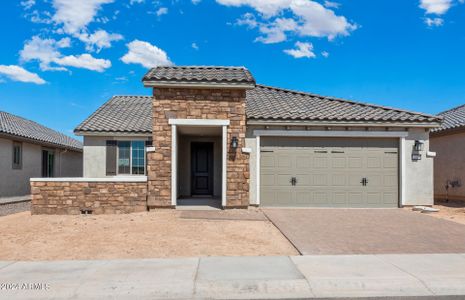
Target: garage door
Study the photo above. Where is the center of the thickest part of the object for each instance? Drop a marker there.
(329, 172)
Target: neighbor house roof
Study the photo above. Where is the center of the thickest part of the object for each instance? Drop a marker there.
(121, 114)
(453, 119)
(15, 126)
(133, 114)
(270, 103)
(199, 75)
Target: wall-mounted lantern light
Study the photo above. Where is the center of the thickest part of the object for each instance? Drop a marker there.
(419, 145)
(234, 142)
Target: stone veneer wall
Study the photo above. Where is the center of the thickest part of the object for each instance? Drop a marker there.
(184, 103)
(69, 197)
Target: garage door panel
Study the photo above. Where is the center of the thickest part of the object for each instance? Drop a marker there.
(267, 180)
(267, 160)
(374, 162)
(355, 162)
(320, 162)
(339, 162)
(330, 175)
(320, 179)
(339, 198)
(339, 179)
(355, 198)
(284, 161)
(283, 179)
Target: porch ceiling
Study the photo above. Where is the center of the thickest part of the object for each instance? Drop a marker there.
(200, 130)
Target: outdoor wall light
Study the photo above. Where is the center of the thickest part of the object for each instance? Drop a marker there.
(419, 145)
(234, 142)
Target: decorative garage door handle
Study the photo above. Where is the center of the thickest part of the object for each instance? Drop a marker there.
(294, 181)
(364, 181)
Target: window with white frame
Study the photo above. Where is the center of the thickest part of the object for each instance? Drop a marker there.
(131, 157)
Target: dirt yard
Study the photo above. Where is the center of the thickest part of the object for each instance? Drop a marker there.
(163, 233)
(453, 210)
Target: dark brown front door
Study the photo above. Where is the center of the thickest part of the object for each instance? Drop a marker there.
(202, 168)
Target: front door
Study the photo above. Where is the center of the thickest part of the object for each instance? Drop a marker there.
(202, 168)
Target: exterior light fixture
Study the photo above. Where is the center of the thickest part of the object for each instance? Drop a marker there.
(234, 142)
(419, 145)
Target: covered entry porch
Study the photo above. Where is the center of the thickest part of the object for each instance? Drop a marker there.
(199, 159)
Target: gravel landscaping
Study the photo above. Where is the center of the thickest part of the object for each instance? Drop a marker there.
(12, 208)
(161, 233)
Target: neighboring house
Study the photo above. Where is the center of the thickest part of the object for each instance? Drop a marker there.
(448, 142)
(28, 149)
(212, 132)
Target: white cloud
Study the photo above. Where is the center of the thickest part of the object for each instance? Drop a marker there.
(302, 50)
(276, 32)
(195, 2)
(434, 22)
(330, 4)
(437, 7)
(27, 4)
(132, 2)
(325, 54)
(309, 19)
(145, 54)
(161, 11)
(17, 73)
(75, 15)
(46, 52)
(195, 46)
(84, 61)
(99, 39)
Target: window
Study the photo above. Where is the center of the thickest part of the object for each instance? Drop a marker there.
(17, 155)
(131, 157)
(48, 162)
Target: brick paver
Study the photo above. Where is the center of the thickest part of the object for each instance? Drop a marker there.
(367, 231)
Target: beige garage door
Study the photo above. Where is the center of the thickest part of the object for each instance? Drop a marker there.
(329, 172)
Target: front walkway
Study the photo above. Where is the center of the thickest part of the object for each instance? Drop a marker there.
(237, 277)
(367, 231)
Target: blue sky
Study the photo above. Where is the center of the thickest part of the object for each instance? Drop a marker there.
(61, 59)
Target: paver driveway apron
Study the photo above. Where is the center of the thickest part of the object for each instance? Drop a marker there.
(367, 231)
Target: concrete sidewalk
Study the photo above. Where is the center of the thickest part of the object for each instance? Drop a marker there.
(237, 277)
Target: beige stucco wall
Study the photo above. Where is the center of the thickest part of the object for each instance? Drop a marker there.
(449, 165)
(15, 182)
(184, 163)
(417, 179)
(94, 159)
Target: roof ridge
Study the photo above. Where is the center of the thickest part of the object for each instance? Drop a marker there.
(349, 101)
(452, 109)
(202, 67)
(139, 96)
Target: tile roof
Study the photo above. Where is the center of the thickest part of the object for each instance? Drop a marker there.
(200, 75)
(27, 129)
(121, 114)
(133, 114)
(269, 103)
(453, 119)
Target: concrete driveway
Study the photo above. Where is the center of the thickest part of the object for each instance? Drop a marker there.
(367, 231)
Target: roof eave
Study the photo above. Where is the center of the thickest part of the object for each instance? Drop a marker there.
(38, 142)
(283, 122)
(112, 133)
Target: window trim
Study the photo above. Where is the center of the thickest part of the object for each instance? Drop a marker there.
(17, 166)
(130, 158)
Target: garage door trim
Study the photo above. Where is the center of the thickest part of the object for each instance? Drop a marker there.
(360, 134)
